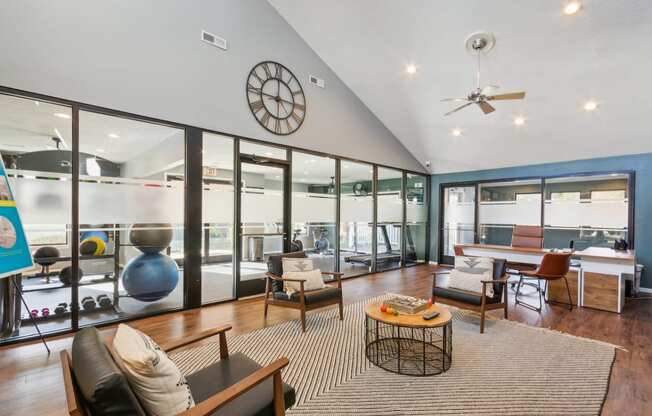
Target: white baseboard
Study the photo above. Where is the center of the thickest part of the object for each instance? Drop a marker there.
(435, 264)
(645, 289)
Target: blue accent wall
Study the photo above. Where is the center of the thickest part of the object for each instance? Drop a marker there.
(641, 164)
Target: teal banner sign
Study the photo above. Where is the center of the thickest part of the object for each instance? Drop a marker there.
(15, 256)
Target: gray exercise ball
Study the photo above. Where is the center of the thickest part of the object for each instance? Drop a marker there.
(151, 238)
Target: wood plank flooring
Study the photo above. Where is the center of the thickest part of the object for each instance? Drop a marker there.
(30, 381)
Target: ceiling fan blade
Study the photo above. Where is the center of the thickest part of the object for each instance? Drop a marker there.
(454, 99)
(486, 107)
(508, 96)
(457, 109)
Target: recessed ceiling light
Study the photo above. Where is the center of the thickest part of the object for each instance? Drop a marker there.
(37, 103)
(590, 105)
(99, 150)
(411, 69)
(62, 115)
(269, 154)
(456, 132)
(114, 136)
(519, 121)
(572, 7)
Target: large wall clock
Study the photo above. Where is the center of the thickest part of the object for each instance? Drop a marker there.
(276, 98)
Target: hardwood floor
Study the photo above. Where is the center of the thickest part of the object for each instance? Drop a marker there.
(30, 381)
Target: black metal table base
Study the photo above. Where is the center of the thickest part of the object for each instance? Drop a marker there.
(409, 351)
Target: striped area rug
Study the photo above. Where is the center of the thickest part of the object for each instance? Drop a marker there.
(511, 369)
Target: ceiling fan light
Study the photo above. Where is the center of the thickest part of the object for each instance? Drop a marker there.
(519, 121)
(590, 105)
(456, 132)
(572, 7)
(411, 69)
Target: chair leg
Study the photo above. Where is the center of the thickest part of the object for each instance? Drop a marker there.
(570, 299)
(266, 307)
(303, 319)
(527, 305)
(505, 300)
(539, 286)
(341, 310)
(482, 320)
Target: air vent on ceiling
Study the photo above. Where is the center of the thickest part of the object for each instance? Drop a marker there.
(316, 81)
(213, 39)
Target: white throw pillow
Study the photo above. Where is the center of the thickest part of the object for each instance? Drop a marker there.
(469, 272)
(297, 264)
(313, 281)
(156, 380)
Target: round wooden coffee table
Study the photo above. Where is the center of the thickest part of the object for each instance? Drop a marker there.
(408, 344)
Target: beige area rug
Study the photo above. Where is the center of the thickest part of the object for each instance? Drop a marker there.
(511, 369)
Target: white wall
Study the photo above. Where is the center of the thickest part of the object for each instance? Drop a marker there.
(146, 57)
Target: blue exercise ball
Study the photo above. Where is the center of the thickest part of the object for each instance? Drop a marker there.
(150, 277)
(102, 235)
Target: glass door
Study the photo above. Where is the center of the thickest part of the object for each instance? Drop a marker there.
(263, 220)
(458, 220)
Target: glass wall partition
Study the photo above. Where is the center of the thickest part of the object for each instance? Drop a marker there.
(588, 210)
(36, 148)
(356, 218)
(390, 218)
(505, 204)
(416, 219)
(131, 223)
(217, 271)
(458, 225)
(314, 202)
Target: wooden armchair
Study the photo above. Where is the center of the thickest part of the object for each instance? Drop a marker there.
(302, 300)
(470, 300)
(233, 385)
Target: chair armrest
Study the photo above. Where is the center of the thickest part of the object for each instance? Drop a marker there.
(182, 342)
(283, 279)
(501, 281)
(338, 277)
(74, 407)
(273, 276)
(227, 395)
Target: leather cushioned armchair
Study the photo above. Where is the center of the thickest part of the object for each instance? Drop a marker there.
(234, 385)
(479, 302)
(302, 300)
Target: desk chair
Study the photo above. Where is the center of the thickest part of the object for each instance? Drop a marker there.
(525, 236)
(554, 266)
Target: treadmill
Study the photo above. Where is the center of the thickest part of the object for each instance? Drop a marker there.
(389, 256)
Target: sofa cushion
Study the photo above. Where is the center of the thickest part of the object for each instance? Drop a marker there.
(224, 373)
(103, 386)
(275, 267)
(312, 297)
(156, 380)
(469, 272)
(461, 296)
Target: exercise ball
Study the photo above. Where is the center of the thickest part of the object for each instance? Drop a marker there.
(102, 235)
(151, 238)
(92, 246)
(44, 256)
(66, 275)
(150, 277)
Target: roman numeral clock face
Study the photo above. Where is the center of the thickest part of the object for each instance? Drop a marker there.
(276, 98)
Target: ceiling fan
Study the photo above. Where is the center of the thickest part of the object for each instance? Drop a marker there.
(477, 43)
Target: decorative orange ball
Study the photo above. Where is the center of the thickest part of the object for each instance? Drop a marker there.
(383, 308)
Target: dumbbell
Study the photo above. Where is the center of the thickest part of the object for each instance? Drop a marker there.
(61, 308)
(104, 301)
(88, 303)
(45, 312)
(34, 313)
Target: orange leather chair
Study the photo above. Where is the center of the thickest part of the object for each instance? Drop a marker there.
(554, 266)
(528, 236)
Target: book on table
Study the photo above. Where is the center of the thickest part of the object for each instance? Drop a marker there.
(406, 304)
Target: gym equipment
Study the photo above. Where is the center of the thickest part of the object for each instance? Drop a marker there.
(322, 243)
(102, 235)
(150, 277)
(45, 312)
(46, 257)
(151, 238)
(88, 303)
(103, 300)
(390, 255)
(61, 308)
(66, 275)
(296, 244)
(92, 246)
(34, 313)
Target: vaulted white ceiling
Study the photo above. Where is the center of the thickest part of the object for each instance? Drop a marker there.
(602, 53)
